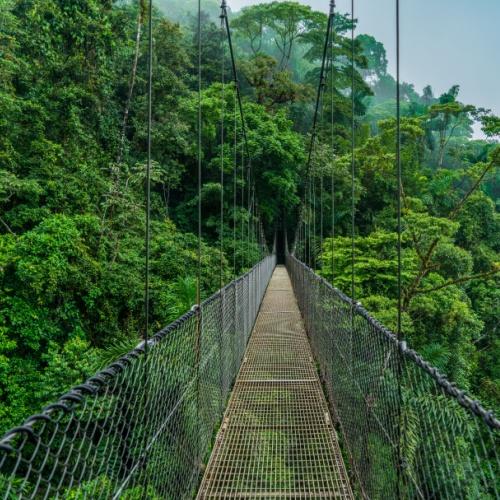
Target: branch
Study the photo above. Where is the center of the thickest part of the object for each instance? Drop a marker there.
(425, 267)
(7, 226)
(140, 17)
(450, 135)
(413, 235)
(461, 203)
(457, 281)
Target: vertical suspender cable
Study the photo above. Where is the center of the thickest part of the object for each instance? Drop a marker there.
(308, 226)
(243, 126)
(249, 220)
(353, 204)
(398, 167)
(198, 285)
(254, 215)
(320, 252)
(304, 217)
(332, 146)
(223, 103)
(308, 186)
(198, 274)
(148, 225)
(148, 176)
(304, 227)
(321, 219)
(243, 263)
(353, 143)
(249, 202)
(242, 192)
(399, 193)
(314, 222)
(235, 172)
(221, 235)
(320, 85)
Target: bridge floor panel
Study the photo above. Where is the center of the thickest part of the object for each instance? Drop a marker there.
(277, 438)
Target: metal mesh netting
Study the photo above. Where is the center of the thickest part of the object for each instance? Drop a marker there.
(142, 427)
(407, 430)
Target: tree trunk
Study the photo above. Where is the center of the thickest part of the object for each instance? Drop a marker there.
(133, 75)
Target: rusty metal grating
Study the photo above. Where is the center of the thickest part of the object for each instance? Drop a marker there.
(277, 438)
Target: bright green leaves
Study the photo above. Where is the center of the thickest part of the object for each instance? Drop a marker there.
(45, 272)
(283, 24)
(375, 264)
(271, 85)
(277, 157)
(444, 317)
(449, 118)
(66, 366)
(491, 126)
(376, 57)
(436, 311)
(51, 256)
(276, 150)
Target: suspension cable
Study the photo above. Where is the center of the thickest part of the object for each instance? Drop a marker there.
(332, 147)
(353, 204)
(328, 69)
(198, 281)
(398, 166)
(223, 103)
(320, 84)
(250, 178)
(243, 263)
(148, 224)
(399, 193)
(353, 144)
(199, 318)
(319, 91)
(321, 219)
(148, 177)
(320, 253)
(249, 202)
(313, 184)
(235, 173)
(309, 218)
(235, 73)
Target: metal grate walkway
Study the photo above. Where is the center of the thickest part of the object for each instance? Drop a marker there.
(277, 438)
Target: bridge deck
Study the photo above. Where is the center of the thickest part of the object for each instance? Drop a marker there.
(277, 439)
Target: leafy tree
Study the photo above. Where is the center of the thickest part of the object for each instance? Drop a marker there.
(375, 54)
(271, 86)
(285, 23)
(491, 126)
(447, 118)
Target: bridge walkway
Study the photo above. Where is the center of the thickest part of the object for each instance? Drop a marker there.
(277, 438)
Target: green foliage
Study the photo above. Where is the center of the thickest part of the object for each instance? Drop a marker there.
(491, 125)
(282, 24)
(103, 486)
(374, 51)
(72, 171)
(272, 86)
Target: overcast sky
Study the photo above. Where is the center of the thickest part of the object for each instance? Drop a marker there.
(443, 42)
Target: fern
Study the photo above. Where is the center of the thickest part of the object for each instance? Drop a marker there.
(115, 350)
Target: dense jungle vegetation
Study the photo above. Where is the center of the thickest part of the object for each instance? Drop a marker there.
(72, 167)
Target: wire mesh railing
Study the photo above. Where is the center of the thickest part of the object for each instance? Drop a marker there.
(407, 431)
(143, 427)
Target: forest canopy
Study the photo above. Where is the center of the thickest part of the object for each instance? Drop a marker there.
(73, 130)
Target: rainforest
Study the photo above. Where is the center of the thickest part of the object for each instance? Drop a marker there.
(73, 150)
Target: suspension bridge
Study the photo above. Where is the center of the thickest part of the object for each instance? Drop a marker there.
(277, 386)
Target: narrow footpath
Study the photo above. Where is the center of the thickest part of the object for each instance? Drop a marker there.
(277, 438)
